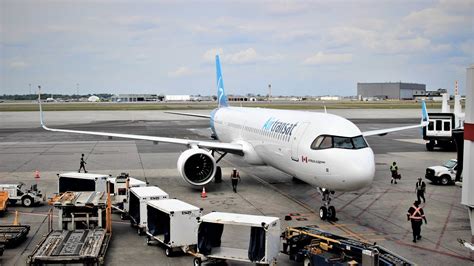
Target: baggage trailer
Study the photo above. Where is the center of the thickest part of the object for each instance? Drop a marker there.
(84, 246)
(81, 210)
(137, 212)
(12, 235)
(81, 182)
(313, 246)
(174, 224)
(262, 238)
(119, 187)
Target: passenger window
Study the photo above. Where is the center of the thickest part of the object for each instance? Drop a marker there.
(439, 125)
(430, 125)
(344, 143)
(447, 126)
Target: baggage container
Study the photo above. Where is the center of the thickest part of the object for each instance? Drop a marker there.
(137, 204)
(172, 223)
(252, 238)
(73, 181)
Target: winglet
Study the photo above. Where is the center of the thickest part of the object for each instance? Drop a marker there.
(221, 97)
(424, 114)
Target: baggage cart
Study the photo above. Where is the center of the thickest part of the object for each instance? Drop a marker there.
(119, 187)
(312, 246)
(259, 238)
(12, 235)
(137, 210)
(174, 224)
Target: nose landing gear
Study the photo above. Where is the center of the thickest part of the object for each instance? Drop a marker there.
(327, 212)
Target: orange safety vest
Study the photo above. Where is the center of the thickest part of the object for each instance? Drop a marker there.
(417, 211)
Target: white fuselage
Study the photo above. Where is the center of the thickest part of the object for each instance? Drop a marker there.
(283, 139)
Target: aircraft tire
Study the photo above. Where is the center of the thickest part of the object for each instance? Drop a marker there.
(331, 213)
(323, 213)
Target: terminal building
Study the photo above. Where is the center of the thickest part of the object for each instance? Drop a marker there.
(390, 90)
(136, 98)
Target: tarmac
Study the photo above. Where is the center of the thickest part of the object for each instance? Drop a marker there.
(373, 214)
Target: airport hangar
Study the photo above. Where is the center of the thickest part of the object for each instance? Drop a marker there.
(390, 90)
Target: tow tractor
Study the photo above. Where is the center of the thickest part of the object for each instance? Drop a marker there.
(312, 246)
(27, 197)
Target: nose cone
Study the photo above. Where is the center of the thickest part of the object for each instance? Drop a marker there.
(358, 170)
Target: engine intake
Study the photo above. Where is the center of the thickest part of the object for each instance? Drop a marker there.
(197, 166)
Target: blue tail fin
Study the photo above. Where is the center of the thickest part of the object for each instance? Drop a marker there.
(424, 112)
(221, 97)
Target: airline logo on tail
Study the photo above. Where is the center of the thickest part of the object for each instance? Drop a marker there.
(221, 97)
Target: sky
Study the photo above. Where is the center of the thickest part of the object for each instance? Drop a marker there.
(168, 47)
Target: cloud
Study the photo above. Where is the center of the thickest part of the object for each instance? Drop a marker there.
(18, 64)
(445, 18)
(210, 55)
(181, 72)
(321, 58)
(242, 57)
(247, 56)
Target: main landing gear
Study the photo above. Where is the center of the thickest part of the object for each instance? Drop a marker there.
(327, 212)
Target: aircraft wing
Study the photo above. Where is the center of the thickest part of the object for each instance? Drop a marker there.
(381, 132)
(188, 114)
(226, 147)
(385, 131)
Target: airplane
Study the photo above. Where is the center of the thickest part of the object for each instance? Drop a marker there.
(324, 150)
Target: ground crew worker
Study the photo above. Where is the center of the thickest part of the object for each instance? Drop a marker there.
(394, 171)
(415, 215)
(82, 164)
(420, 189)
(235, 178)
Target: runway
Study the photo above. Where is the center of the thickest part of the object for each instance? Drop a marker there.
(374, 214)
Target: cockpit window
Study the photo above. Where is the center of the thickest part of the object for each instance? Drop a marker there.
(343, 143)
(359, 142)
(326, 142)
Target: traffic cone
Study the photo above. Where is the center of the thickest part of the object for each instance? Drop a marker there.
(37, 174)
(16, 220)
(203, 193)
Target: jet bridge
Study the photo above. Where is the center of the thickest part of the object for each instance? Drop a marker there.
(468, 177)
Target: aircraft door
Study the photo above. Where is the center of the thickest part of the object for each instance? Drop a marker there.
(296, 139)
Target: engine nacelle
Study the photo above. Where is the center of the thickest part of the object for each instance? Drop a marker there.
(197, 166)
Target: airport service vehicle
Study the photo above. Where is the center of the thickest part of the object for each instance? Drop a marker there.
(28, 197)
(439, 131)
(312, 246)
(3, 202)
(309, 146)
(137, 210)
(261, 235)
(172, 223)
(443, 174)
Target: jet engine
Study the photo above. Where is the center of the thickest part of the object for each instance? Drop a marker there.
(197, 166)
